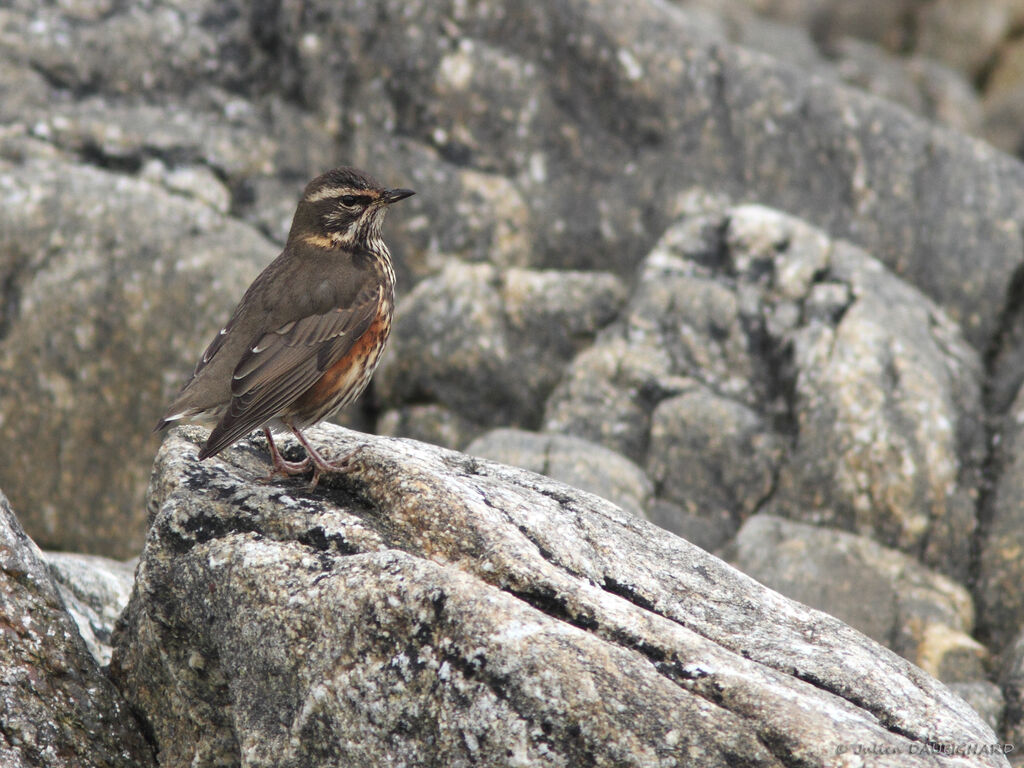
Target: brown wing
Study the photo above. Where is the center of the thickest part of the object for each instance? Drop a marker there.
(284, 363)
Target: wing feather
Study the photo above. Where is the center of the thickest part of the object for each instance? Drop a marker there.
(282, 364)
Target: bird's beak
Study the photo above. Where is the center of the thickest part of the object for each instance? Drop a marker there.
(394, 195)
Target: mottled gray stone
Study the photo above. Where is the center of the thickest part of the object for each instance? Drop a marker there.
(606, 396)
(787, 370)
(1004, 85)
(112, 287)
(570, 460)
(1001, 566)
(159, 47)
(770, 366)
(925, 85)
(920, 614)
(885, 401)
(435, 608)
(954, 62)
(964, 35)
(57, 710)
(707, 532)
(559, 136)
(601, 112)
(1010, 676)
(125, 136)
(492, 344)
(430, 423)
(696, 318)
(24, 91)
(918, 83)
(985, 698)
(95, 591)
(593, 135)
(711, 455)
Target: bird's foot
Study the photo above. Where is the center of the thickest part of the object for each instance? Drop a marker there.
(281, 466)
(322, 466)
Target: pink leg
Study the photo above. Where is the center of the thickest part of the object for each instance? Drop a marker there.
(281, 465)
(320, 464)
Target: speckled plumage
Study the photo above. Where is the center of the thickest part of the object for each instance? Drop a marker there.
(307, 335)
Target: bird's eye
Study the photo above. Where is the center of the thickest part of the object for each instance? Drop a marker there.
(348, 201)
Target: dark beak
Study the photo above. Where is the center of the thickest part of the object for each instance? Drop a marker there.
(394, 195)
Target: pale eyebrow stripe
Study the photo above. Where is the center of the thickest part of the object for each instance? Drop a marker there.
(326, 192)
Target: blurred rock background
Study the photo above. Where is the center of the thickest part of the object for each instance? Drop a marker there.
(748, 269)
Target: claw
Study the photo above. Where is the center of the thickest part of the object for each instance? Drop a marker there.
(341, 466)
(281, 465)
(313, 459)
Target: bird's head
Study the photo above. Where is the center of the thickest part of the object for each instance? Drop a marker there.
(343, 207)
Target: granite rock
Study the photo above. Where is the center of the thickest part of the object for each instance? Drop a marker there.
(1010, 677)
(546, 139)
(95, 591)
(712, 455)
(107, 305)
(761, 365)
(491, 344)
(924, 616)
(985, 698)
(1000, 604)
(434, 607)
(886, 405)
(430, 423)
(57, 709)
(570, 460)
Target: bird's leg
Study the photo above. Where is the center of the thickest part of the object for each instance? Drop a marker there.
(342, 466)
(281, 465)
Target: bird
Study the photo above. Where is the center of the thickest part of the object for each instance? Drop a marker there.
(307, 335)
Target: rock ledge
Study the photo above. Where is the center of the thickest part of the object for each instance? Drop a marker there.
(435, 608)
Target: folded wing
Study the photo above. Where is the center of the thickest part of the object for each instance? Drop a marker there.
(282, 364)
